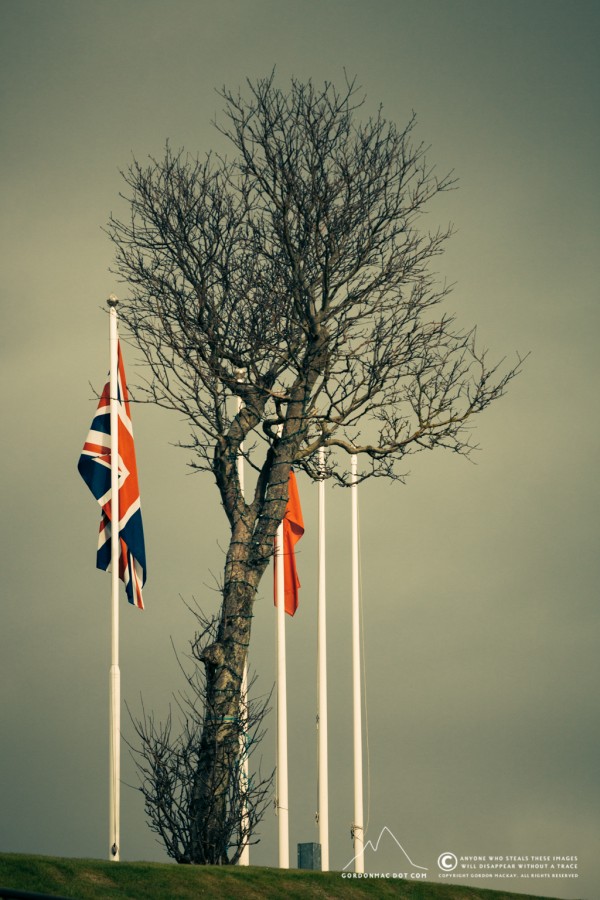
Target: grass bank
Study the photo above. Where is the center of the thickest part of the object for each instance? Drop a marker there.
(87, 879)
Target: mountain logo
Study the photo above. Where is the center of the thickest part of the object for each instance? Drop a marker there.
(375, 847)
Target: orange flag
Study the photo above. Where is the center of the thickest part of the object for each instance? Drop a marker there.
(293, 529)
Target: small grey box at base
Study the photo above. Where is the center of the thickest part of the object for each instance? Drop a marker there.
(309, 856)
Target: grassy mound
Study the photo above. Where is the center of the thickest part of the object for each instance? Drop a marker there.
(86, 879)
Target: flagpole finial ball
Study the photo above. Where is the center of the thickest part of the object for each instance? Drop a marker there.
(113, 300)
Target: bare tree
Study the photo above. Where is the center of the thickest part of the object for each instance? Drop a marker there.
(167, 761)
(295, 276)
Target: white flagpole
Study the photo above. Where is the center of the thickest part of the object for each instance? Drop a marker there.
(282, 750)
(115, 674)
(244, 859)
(323, 770)
(357, 828)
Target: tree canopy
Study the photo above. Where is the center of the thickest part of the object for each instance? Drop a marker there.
(296, 275)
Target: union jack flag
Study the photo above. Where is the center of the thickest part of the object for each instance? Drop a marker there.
(94, 468)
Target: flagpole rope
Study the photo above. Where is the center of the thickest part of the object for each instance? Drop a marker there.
(317, 725)
(364, 681)
(276, 798)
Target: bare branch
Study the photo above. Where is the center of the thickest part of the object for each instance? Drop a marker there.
(302, 263)
(167, 758)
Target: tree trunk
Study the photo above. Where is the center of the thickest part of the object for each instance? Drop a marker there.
(250, 549)
(224, 662)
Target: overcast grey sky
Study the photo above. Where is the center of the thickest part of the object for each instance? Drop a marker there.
(480, 581)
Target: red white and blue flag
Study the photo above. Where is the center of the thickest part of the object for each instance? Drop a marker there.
(94, 468)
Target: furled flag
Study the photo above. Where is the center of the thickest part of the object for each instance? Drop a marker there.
(293, 529)
(94, 467)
